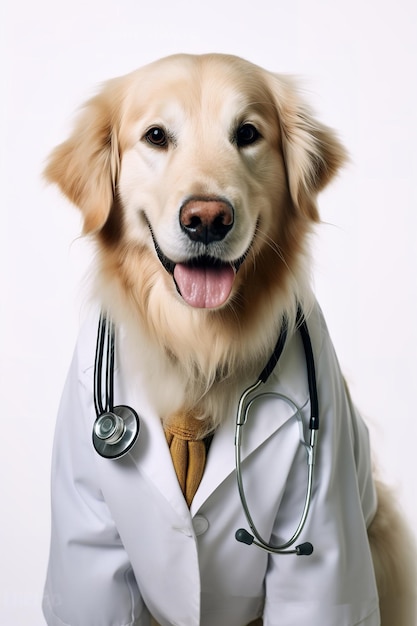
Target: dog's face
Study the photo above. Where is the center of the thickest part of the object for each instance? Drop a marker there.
(198, 177)
(202, 175)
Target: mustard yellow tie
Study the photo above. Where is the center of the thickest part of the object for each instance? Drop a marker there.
(183, 433)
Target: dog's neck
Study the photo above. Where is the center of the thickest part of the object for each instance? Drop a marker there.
(198, 360)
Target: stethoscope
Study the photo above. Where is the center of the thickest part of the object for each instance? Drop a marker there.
(116, 428)
(246, 402)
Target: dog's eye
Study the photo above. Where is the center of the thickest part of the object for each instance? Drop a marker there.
(157, 137)
(247, 134)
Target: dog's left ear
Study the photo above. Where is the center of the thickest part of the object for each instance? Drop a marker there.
(86, 166)
(312, 152)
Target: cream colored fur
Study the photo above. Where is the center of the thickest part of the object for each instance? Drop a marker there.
(130, 191)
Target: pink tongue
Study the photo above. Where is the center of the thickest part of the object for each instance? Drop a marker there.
(204, 287)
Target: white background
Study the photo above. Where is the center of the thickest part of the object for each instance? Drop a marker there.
(357, 59)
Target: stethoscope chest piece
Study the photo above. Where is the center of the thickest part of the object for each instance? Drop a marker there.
(115, 431)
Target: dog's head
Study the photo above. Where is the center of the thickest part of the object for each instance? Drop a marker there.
(207, 166)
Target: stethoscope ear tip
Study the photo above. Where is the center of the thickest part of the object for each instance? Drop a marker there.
(304, 549)
(244, 536)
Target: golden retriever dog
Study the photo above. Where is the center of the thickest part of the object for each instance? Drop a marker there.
(197, 178)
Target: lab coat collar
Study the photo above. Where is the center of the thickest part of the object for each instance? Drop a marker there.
(151, 453)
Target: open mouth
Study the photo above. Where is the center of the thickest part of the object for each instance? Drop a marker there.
(203, 282)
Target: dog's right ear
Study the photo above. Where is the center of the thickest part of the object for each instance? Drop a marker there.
(86, 166)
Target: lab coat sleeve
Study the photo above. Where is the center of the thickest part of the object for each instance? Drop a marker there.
(336, 584)
(90, 581)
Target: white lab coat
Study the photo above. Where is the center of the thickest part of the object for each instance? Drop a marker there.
(124, 544)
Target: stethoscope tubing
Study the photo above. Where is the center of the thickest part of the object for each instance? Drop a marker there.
(105, 341)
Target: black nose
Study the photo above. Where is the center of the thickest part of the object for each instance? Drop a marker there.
(206, 220)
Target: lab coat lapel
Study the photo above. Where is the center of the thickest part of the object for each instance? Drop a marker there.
(267, 415)
(151, 453)
(265, 419)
